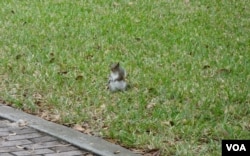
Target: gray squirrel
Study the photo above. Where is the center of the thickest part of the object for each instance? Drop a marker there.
(117, 78)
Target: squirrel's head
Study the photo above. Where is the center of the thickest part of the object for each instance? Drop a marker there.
(115, 66)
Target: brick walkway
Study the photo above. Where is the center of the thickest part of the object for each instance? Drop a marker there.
(16, 139)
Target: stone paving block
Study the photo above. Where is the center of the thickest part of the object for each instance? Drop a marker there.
(33, 152)
(2, 139)
(8, 126)
(3, 123)
(3, 129)
(14, 143)
(9, 149)
(45, 138)
(6, 154)
(60, 149)
(22, 131)
(70, 153)
(45, 145)
(24, 136)
(4, 134)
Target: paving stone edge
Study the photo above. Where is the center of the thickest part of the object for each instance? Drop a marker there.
(90, 143)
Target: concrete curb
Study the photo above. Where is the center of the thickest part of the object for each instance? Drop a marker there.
(89, 143)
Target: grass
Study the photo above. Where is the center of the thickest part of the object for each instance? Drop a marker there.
(188, 64)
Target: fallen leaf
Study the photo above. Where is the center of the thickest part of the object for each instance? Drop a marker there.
(79, 128)
(51, 54)
(138, 39)
(55, 118)
(88, 131)
(52, 60)
(138, 151)
(115, 4)
(168, 123)
(152, 90)
(223, 71)
(62, 72)
(206, 66)
(44, 115)
(89, 56)
(18, 56)
(79, 77)
(111, 140)
(130, 3)
(103, 106)
(37, 96)
(151, 105)
(153, 152)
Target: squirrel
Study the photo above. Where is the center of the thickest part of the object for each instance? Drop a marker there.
(117, 78)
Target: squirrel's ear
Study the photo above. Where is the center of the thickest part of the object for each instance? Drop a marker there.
(118, 63)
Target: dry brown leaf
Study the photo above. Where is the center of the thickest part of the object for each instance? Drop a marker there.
(52, 60)
(130, 3)
(63, 72)
(104, 127)
(55, 118)
(111, 140)
(88, 131)
(168, 123)
(138, 151)
(37, 96)
(50, 117)
(115, 4)
(79, 128)
(44, 114)
(103, 106)
(79, 77)
(206, 66)
(223, 71)
(153, 152)
(151, 105)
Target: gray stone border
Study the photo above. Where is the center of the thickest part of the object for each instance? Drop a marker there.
(89, 143)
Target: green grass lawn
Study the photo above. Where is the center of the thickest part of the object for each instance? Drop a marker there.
(188, 63)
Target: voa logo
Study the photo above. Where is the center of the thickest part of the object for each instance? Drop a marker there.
(236, 147)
